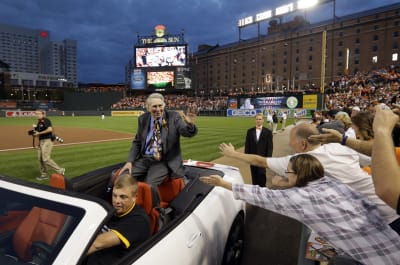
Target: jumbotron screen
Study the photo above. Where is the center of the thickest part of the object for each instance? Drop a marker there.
(160, 56)
(160, 79)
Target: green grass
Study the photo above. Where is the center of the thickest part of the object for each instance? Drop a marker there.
(79, 159)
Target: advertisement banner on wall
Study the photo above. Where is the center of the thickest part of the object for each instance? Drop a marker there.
(131, 113)
(13, 114)
(300, 113)
(277, 102)
(270, 102)
(138, 80)
(232, 103)
(242, 112)
(290, 102)
(310, 101)
(247, 103)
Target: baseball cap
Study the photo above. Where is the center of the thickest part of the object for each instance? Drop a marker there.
(334, 124)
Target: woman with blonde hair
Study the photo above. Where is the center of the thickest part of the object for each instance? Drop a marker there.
(346, 120)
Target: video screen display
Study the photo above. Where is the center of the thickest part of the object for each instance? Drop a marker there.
(160, 56)
(183, 78)
(160, 79)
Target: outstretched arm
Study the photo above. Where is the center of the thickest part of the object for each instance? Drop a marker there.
(215, 180)
(385, 169)
(254, 160)
(333, 136)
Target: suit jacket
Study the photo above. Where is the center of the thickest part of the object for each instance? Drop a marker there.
(172, 129)
(262, 147)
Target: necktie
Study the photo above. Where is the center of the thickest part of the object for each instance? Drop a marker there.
(156, 141)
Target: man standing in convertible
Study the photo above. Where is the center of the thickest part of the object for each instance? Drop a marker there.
(156, 149)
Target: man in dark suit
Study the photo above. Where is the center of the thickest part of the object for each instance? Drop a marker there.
(259, 141)
(156, 150)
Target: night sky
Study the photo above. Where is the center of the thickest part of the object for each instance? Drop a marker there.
(106, 30)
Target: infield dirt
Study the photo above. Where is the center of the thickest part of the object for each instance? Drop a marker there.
(16, 137)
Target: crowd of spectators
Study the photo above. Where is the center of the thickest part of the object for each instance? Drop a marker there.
(175, 102)
(364, 90)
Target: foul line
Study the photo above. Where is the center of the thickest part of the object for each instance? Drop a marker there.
(56, 145)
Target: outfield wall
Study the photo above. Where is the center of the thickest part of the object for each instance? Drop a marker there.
(301, 113)
(31, 113)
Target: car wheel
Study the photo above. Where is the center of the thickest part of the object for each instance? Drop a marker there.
(235, 242)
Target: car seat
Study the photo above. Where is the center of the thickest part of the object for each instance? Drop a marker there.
(147, 198)
(60, 181)
(33, 239)
(38, 227)
(169, 189)
(41, 225)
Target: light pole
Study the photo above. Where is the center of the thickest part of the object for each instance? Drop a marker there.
(333, 38)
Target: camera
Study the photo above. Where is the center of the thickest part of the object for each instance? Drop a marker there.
(57, 138)
(31, 132)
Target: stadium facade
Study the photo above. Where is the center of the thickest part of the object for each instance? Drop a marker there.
(34, 60)
(289, 56)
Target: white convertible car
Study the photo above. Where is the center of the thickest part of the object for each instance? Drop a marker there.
(192, 223)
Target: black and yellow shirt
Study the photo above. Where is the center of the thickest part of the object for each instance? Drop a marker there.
(132, 228)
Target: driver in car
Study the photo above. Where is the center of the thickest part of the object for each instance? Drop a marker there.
(129, 226)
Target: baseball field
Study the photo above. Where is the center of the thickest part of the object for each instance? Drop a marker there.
(91, 143)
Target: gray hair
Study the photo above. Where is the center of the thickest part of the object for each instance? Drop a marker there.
(154, 96)
(305, 130)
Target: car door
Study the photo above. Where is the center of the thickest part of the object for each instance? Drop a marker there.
(185, 244)
(82, 217)
(201, 237)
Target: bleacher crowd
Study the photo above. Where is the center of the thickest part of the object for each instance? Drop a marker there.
(362, 89)
(175, 102)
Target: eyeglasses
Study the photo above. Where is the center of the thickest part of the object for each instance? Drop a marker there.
(287, 172)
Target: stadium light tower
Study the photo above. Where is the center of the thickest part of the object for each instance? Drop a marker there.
(302, 4)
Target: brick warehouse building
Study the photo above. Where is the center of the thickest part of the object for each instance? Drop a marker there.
(290, 55)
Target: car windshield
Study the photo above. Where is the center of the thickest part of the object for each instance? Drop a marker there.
(33, 229)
